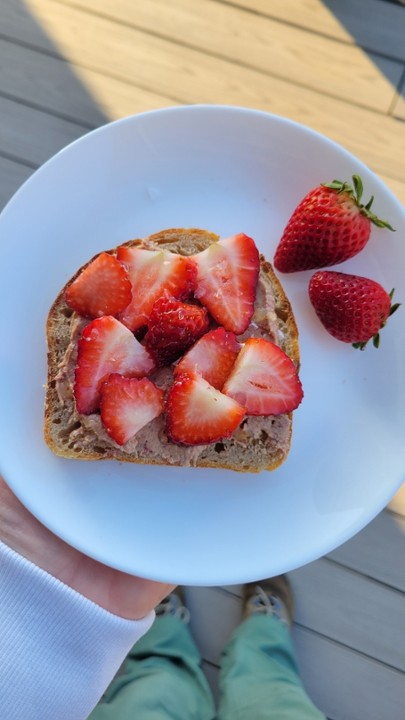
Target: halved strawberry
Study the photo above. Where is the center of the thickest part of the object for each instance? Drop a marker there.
(151, 272)
(264, 379)
(106, 346)
(174, 326)
(102, 288)
(127, 405)
(227, 274)
(213, 357)
(198, 414)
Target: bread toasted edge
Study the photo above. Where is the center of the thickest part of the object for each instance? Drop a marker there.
(185, 241)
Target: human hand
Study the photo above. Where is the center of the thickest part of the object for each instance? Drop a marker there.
(122, 594)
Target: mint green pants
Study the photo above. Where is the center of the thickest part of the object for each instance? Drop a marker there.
(162, 677)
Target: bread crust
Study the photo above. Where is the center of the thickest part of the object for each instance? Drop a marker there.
(243, 452)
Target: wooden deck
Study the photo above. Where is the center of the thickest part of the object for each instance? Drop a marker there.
(68, 66)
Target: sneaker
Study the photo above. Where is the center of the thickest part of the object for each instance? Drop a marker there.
(173, 605)
(270, 597)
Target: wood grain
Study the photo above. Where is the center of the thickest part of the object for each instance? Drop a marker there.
(378, 551)
(76, 94)
(337, 66)
(12, 176)
(33, 135)
(376, 25)
(250, 40)
(339, 680)
(193, 76)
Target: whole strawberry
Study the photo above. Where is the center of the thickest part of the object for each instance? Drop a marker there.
(329, 226)
(351, 308)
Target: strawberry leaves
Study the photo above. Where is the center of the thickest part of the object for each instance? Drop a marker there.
(352, 308)
(356, 192)
(330, 225)
(376, 337)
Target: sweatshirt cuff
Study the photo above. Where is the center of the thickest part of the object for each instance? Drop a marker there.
(59, 650)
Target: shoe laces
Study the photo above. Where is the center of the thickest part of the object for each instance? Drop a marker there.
(172, 605)
(262, 603)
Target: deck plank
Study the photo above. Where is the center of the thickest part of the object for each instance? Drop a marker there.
(154, 63)
(278, 49)
(397, 504)
(50, 84)
(334, 602)
(396, 186)
(378, 551)
(376, 25)
(398, 109)
(344, 683)
(47, 134)
(75, 93)
(329, 600)
(66, 69)
(12, 176)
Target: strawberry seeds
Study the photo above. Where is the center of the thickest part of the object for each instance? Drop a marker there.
(331, 225)
(184, 313)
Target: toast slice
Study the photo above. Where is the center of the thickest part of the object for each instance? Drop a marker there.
(259, 443)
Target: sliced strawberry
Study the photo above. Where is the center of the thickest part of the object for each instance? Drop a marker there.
(151, 273)
(264, 379)
(198, 414)
(106, 346)
(127, 405)
(212, 357)
(102, 288)
(173, 327)
(227, 274)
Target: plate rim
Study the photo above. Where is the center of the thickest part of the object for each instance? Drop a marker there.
(348, 532)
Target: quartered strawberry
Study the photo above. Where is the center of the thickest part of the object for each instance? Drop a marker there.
(106, 346)
(173, 327)
(350, 307)
(102, 288)
(264, 379)
(198, 414)
(212, 357)
(227, 275)
(329, 226)
(151, 272)
(127, 405)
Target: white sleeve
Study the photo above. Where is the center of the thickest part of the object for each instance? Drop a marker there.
(58, 650)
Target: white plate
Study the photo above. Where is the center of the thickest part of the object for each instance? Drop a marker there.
(228, 170)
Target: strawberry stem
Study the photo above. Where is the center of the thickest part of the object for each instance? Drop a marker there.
(376, 337)
(355, 191)
(394, 307)
(358, 188)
